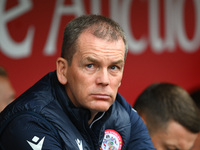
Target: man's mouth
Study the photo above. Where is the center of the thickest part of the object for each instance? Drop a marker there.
(101, 96)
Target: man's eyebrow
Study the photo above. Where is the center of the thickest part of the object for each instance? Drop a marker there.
(92, 59)
(118, 62)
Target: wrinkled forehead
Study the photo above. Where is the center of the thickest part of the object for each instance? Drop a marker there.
(88, 44)
(110, 41)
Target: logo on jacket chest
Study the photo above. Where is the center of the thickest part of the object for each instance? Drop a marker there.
(112, 140)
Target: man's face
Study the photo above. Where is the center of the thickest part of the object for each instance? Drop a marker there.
(175, 137)
(95, 73)
(7, 92)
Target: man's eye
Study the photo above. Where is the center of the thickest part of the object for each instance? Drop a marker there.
(89, 66)
(114, 67)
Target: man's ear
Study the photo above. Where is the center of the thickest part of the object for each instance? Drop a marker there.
(61, 70)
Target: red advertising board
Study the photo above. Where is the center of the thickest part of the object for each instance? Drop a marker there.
(163, 37)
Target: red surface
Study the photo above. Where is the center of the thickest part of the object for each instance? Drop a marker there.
(142, 69)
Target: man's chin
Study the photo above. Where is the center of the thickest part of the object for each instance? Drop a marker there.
(100, 106)
(103, 108)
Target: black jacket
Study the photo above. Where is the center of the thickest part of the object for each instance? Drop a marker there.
(44, 118)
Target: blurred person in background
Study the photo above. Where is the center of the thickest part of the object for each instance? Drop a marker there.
(170, 115)
(7, 92)
(196, 97)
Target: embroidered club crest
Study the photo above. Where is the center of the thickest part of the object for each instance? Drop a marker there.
(112, 140)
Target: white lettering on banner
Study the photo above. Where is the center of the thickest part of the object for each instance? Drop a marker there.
(76, 9)
(174, 26)
(95, 7)
(115, 10)
(186, 44)
(8, 46)
(174, 15)
(120, 11)
(158, 45)
(135, 46)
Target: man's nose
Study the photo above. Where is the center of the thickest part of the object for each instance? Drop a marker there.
(103, 77)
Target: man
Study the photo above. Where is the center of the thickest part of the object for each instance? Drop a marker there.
(7, 92)
(78, 107)
(170, 115)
